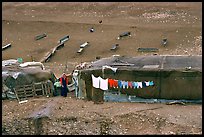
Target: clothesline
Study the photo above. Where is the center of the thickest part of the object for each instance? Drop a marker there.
(105, 84)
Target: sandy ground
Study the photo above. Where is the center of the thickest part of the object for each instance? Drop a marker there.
(149, 23)
(70, 116)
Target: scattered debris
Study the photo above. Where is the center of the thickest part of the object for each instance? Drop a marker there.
(91, 30)
(164, 42)
(64, 39)
(38, 37)
(80, 50)
(24, 101)
(124, 35)
(114, 47)
(6, 46)
(82, 46)
(147, 49)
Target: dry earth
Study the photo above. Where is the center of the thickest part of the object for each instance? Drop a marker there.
(69, 116)
(149, 23)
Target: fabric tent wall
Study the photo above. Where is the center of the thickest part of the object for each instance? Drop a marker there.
(168, 84)
(181, 85)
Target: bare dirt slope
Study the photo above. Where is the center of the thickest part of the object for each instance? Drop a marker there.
(69, 116)
(149, 23)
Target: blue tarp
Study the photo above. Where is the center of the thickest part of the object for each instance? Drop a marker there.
(117, 97)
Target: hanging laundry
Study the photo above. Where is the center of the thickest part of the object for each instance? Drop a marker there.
(147, 83)
(120, 84)
(130, 84)
(110, 82)
(143, 84)
(115, 83)
(125, 84)
(151, 83)
(139, 84)
(95, 81)
(103, 83)
(134, 84)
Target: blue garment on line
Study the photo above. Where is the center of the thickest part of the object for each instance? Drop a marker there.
(134, 84)
(151, 83)
(125, 84)
(120, 84)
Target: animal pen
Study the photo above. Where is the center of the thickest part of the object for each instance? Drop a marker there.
(168, 78)
(23, 80)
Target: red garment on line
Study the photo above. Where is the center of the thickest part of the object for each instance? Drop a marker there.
(129, 84)
(112, 83)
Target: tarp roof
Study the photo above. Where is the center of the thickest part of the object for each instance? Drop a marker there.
(165, 62)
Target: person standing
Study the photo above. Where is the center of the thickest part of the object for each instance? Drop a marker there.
(57, 87)
(76, 82)
(64, 83)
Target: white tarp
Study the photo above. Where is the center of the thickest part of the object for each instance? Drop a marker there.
(9, 62)
(32, 64)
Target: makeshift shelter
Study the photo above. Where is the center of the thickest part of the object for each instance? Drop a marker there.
(169, 77)
(15, 75)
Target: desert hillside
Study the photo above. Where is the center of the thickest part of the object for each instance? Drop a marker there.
(149, 23)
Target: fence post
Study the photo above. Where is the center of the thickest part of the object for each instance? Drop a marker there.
(42, 88)
(16, 95)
